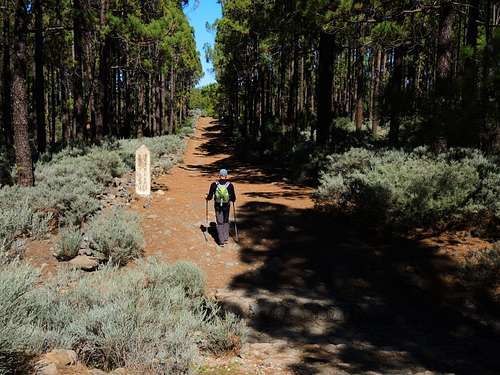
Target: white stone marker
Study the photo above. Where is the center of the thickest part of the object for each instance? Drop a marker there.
(143, 171)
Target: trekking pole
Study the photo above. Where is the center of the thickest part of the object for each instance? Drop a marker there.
(235, 225)
(206, 220)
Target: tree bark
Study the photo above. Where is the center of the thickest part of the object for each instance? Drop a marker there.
(375, 120)
(24, 163)
(6, 77)
(53, 106)
(39, 84)
(360, 89)
(171, 117)
(78, 110)
(396, 96)
(324, 87)
(445, 50)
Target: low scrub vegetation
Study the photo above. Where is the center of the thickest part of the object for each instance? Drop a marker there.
(153, 318)
(404, 190)
(482, 268)
(68, 244)
(68, 185)
(116, 237)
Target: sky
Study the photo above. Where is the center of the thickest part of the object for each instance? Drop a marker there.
(199, 15)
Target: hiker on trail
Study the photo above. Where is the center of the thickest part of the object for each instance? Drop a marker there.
(223, 192)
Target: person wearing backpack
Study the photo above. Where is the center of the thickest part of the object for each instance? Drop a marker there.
(223, 193)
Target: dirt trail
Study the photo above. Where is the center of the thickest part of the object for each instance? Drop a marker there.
(318, 295)
(172, 224)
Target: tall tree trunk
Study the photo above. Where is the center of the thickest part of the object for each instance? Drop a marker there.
(444, 82)
(396, 96)
(103, 117)
(171, 115)
(157, 89)
(292, 98)
(6, 77)
(487, 136)
(360, 89)
(39, 84)
(469, 126)
(142, 113)
(66, 122)
(78, 110)
(324, 87)
(24, 163)
(376, 105)
(53, 106)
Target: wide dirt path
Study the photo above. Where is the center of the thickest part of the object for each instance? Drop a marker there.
(172, 223)
(319, 296)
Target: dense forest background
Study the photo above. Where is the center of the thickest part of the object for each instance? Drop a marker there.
(403, 72)
(82, 70)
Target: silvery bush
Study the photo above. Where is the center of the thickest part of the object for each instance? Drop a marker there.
(408, 189)
(116, 237)
(153, 318)
(68, 185)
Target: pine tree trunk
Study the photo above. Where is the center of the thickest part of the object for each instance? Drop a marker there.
(376, 92)
(39, 83)
(24, 163)
(65, 110)
(171, 101)
(396, 96)
(360, 90)
(324, 87)
(6, 77)
(53, 106)
(103, 105)
(78, 110)
(445, 50)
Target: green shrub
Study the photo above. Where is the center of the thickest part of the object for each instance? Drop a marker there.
(116, 237)
(168, 145)
(69, 183)
(68, 245)
(413, 189)
(226, 332)
(140, 318)
(482, 268)
(18, 335)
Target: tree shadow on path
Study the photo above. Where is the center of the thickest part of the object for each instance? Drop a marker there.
(349, 303)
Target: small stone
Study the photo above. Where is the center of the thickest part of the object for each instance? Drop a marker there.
(160, 192)
(84, 262)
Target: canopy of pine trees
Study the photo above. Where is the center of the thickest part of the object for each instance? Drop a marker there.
(82, 70)
(296, 67)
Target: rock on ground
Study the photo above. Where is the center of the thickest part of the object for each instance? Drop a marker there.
(84, 262)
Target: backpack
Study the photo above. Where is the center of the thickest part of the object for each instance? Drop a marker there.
(222, 193)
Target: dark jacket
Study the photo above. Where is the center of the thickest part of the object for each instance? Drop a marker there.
(230, 189)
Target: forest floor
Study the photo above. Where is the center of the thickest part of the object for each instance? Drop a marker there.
(318, 295)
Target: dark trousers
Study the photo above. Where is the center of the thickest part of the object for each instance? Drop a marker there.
(222, 218)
